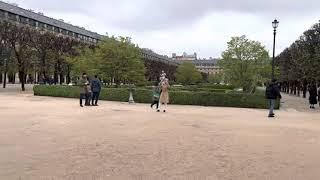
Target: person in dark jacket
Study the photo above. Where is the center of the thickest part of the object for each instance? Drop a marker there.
(156, 95)
(313, 95)
(272, 94)
(96, 89)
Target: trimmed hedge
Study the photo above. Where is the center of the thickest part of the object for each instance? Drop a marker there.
(216, 86)
(176, 97)
(196, 89)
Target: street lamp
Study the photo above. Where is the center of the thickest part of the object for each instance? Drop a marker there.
(275, 25)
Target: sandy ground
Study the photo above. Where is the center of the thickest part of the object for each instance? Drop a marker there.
(53, 138)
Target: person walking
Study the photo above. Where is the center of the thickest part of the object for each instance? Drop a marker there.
(164, 96)
(96, 89)
(155, 95)
(272, 94)
(83, 88)
(313, 95)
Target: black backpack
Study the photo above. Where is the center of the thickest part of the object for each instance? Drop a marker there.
(269, 92)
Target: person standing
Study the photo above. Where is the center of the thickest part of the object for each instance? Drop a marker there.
(164, 96)
(96, 89)
(83, 88)
(272, 94)
(88, 92)
(156, 95)
(313, 95)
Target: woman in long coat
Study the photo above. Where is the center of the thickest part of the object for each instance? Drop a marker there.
(164, 96)
(313, 95)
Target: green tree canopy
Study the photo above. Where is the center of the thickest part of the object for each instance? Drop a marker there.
(114, 58)
(187, 73)
(120, 59)
(245, 63)
(215, 78)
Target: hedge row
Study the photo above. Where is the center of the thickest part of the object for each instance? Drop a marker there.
(176, 97)
(197, 89)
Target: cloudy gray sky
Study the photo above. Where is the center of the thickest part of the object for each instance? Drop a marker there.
(202, 26)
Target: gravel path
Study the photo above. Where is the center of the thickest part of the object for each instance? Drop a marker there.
(52, 138)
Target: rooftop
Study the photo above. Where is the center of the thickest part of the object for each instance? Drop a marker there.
(47, 20)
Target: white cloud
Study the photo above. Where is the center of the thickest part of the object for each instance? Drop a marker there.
(182, 25)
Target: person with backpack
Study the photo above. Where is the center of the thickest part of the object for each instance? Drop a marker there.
(272, 94)
(96, 89)
(155, 95)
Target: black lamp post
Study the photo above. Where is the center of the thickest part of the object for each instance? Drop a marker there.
(275, 25)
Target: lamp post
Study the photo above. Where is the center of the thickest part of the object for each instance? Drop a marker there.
(275, 25)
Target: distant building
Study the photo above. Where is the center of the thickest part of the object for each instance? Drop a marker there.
(208, 66)
(17, 15)
(184, 57)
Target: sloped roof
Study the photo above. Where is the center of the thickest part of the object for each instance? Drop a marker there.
(47, 20)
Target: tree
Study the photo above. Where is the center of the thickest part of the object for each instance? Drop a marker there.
(300, 63)
(119, 59)
(215, 78)
(44, 43)
(244, 63)
(85, 61)
(187, 73)
(19, 39)
(31, 51)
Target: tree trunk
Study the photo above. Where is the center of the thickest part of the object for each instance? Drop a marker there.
(299, 88)
(305, 89)
(68, 75)
(5, 80)
(22, 78)
(61, 78)
(14, 78)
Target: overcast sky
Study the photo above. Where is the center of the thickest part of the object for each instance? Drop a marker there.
(202, 26)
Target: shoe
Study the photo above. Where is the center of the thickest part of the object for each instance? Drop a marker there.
(158, 110)
(96, 105)
(271, 116)
(81, 105)
(164, 111)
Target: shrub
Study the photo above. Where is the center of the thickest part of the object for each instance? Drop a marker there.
(141, 95)
(216, 86)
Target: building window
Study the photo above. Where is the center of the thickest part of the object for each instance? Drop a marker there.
(2, 14)
(12, 17)
(64, 32)
(23, 20)
(41, 25)
(56, 29)
(32, 23)
(49, 27)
